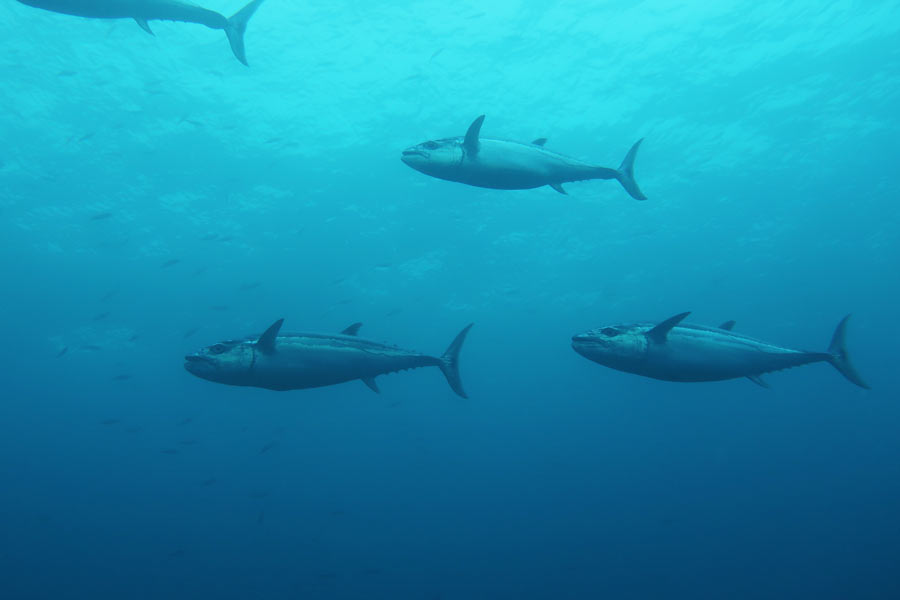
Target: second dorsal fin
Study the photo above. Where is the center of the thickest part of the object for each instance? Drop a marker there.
(727, 325)
(539, 141)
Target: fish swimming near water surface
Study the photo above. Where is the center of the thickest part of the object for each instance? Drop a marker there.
(506, 165)
(143, 11)
(677, 351)
(306, 360)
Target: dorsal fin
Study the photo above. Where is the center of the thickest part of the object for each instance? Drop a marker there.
(659, 333)
(144, 25)
(727, 325)
(539, 141)
(266, 342)
(471, 141)
(352, 329)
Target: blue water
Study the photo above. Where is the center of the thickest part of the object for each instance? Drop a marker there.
(770, 163)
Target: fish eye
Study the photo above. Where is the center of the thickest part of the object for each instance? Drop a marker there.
(430, 145)
(610, 331)
(217, 349)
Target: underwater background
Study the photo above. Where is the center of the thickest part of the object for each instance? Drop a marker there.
(157, 196)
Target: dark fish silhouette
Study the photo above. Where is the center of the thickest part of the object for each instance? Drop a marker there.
(169, 451)
(170, 263)
(246, 287)
(269, 446)
(101, 316)
(101, 216)
(208, 482)
(62, 352)
(190, 332)
(122, 377)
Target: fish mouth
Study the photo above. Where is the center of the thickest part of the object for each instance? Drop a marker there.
(411, 153)
(195, 362)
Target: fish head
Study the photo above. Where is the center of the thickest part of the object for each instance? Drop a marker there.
(438, 158)
(230, 362)
(621, 347)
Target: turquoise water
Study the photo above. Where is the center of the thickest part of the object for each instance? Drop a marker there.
(157, 196)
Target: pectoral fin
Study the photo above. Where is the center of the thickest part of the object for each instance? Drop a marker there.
(370, 382)
(659, 333)
(471, 141)
(758, 380)
(144, 25)
(266, 342)
(559, 188)
(539, 141)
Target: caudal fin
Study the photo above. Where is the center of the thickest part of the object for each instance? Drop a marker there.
(236, 27)
(839, 357)
(450, 362)
(625, 173)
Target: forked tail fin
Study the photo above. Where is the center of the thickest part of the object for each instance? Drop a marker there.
(236, 27)
(450, 362)
(625, 173)
(839, 357)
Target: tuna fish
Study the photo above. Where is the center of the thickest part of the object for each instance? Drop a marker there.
(144, 11)
(676, 351)
(306, 360)
(505, 165)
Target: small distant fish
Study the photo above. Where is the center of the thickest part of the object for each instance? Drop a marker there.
(109, 422)
(86, 136)
(200, 271)
(170, 263)
(91, 347)
(260, 518)
(219, 307)
(67, 74)
(186, 421)
(436, 54)
(246, 287)
(269, 446)
(62, 352)
(273, 140)
(109, 295)
(134, 337)
(209, 237)
(101, 216)
(169, 451)
(190, 332)
(393, 312)
(122, 377)
(208, 482)
(338, 280)
(101, 316)
(134, 429)
(188, 442)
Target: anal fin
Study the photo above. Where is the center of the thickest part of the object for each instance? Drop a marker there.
(559, 188)
(370, 382)
(758, 380)
(144, 25)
